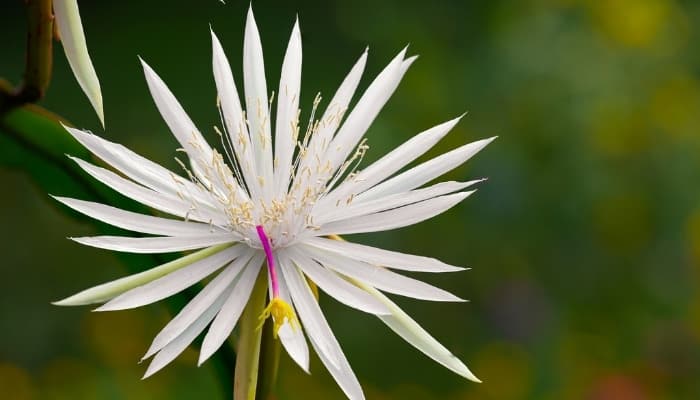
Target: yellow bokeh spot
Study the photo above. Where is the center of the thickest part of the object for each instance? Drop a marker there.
(631, 23)
(675, 105)
(281, 312)
(16, 383)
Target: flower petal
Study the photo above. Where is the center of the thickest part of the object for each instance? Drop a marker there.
(335, 286)
(180, 343)
(286, 122)
(232, 309)
(233, 116)
(178, 121)
(414, 334)
(425, 172)
(70, 28)
(160, 244)
(367, 108)
(106, 291)
(293, 339)
(385, 258)
(346, 209)
(320, 334)
(392, 219)
(160, 201)
(258, 113)
(379, 277)
(223, 282)
(389, 164)
(173, 282)
(137, 222)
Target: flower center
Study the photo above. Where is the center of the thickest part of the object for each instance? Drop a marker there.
(280, 310)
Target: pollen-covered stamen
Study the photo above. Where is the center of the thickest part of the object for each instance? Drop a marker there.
(278, 308)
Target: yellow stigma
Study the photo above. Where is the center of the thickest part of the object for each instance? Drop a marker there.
(280, 311)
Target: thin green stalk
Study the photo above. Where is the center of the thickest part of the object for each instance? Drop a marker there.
(269, 362)
(248, 358)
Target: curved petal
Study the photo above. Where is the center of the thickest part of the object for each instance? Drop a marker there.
(232, 309)
(173, 282)
(379, 277)
(137, 222)
(70, 28)
(114, 288)
(293, 339)
(287, 118)
(160, 244)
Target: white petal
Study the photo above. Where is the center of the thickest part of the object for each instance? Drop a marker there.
(179, 344)
(286, 122)
(393, 219)
(160, 244)
(310, 313)
(199, 304)
(426, 171)
(233, 115)
(367, 108)
(293, 339)
(385, 258)
(160, 201)
(256, 104)
(137, 222)
(179, 123)
(349, 208)
(328, 124)
(320, 335)
(232, 309)
(379, 277)
(140, 169)
(389, 164)
(173, 282)
(70, 28)
(335, 286)
(109, 290)
(414, 334)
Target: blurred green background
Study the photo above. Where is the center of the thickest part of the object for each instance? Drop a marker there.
(584, 242)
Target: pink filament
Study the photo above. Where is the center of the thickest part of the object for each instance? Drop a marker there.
(270, 260)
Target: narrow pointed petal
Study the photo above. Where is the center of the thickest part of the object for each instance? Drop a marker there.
(329, 122)
(231, 310)
(414, 334)
(107, 291)
(224, 281)
(286, 122)
(293, 339)
(140, 169)
(379, 277)
(321, 337)
(161, 244)
(352, 209)
(310, 313)
(393, 219)
(233, 115)
(389, 164)
(70, 28)
(138, 222)
(180, 343)
(172, 205)
(425, 172)
(381, 257)
(173, 282)
(335, 286)
(178, 121)
(367, 108)
(257, 105)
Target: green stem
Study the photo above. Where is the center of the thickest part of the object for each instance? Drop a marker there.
(269, 362)
(248, 358)
(37, 73)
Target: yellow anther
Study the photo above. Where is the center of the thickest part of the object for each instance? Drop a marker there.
(280, 311)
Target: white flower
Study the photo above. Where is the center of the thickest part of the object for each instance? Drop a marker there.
(255, 206)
